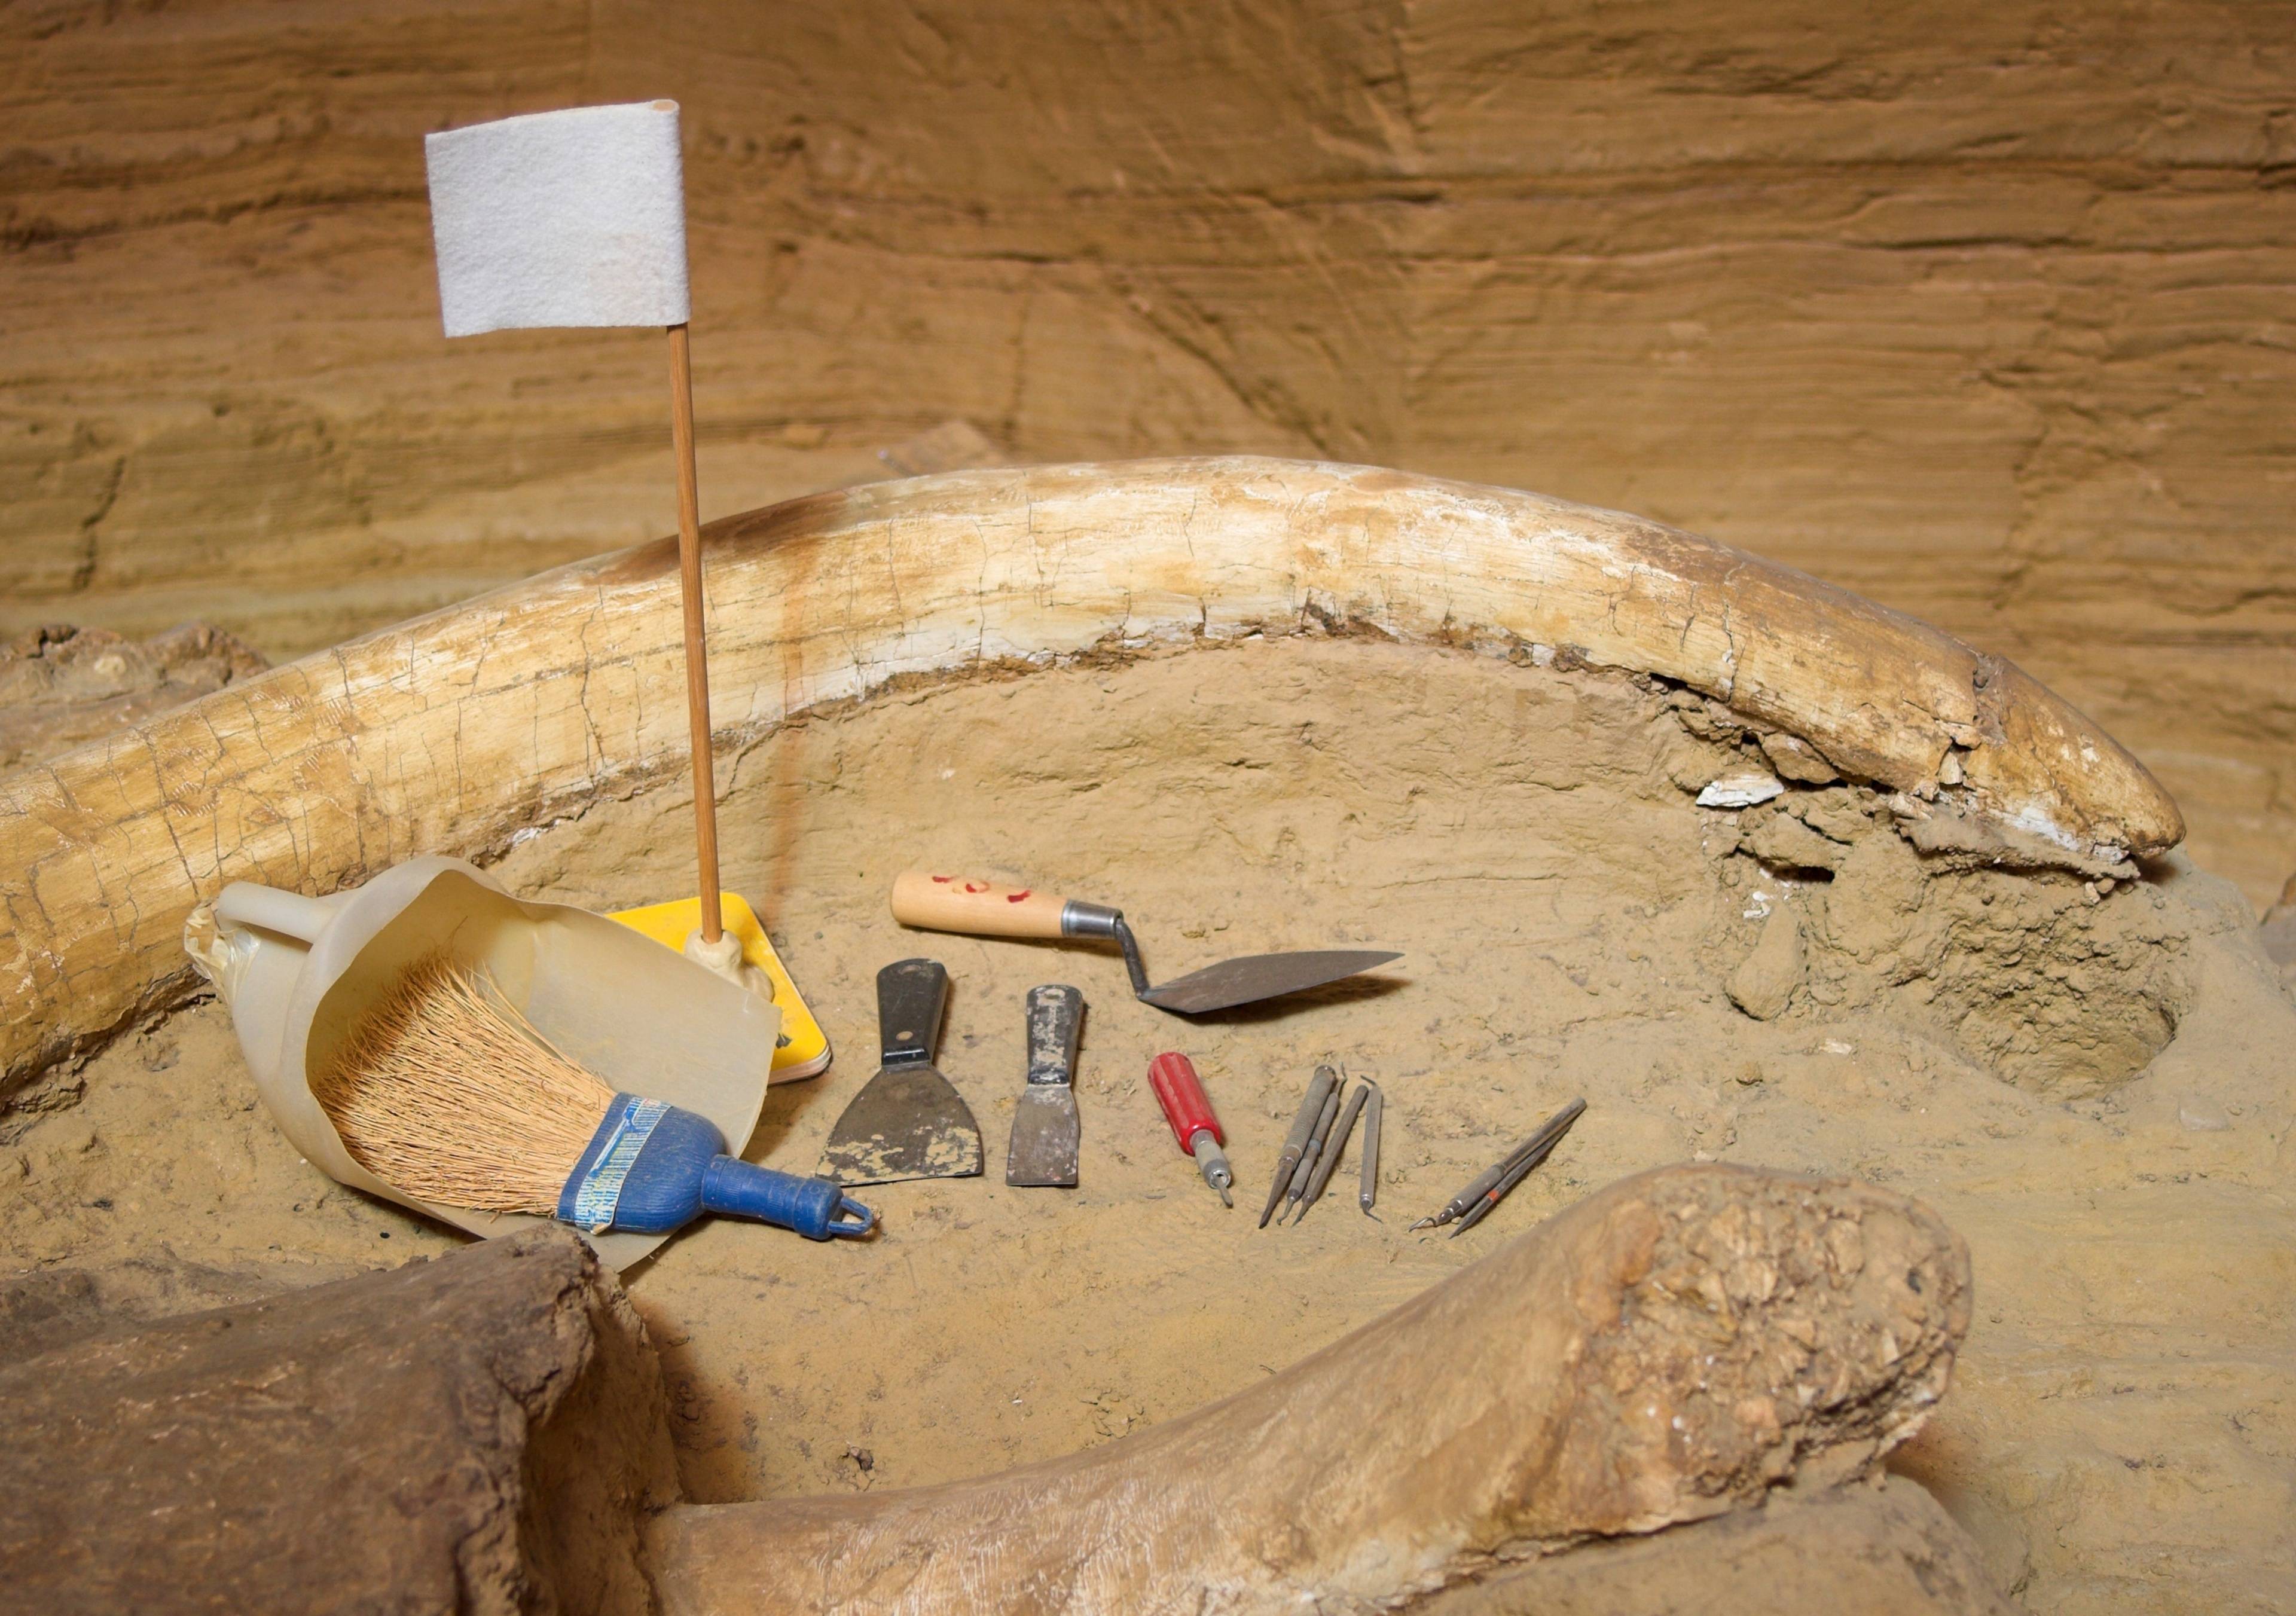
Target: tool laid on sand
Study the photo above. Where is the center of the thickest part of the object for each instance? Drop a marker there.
(980, 908)
(1181, 1093)
(1367, 1192)
(443, 1087)
(907, 1122)
(1504, 1187)
(1328, 1161)
(1046, 1134)
(1318, 1137)
(1495, 1183)
(1295, 1143)
(298, 973)
(1457, 1205)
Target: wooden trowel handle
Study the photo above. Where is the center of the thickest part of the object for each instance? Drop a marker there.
(979, 908)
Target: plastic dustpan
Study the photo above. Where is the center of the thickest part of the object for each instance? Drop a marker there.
(297, 973)
(802, 1050)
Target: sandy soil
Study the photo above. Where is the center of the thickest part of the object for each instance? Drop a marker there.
(2094, 1087)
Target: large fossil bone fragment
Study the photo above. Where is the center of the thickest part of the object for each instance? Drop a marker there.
(491, 1428)
(1663, 1352)
(1880, 1548)
(481, 1433)
(451, 732)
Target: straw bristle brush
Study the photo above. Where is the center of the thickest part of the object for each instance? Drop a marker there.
(446, 1091)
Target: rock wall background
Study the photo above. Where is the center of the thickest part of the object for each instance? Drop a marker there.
(1984, 309)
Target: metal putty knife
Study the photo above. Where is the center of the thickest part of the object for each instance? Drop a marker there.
(1046, 1134)
(907, 1122)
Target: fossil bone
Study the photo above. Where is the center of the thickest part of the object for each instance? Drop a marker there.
(1663, 1352)
(1881, 1549)
(452, 733)
(1654, 1356)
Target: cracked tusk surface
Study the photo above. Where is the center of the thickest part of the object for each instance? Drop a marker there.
(453, 732)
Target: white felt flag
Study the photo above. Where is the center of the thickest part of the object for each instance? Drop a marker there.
(561, 218)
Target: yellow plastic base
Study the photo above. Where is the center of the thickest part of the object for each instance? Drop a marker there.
(802, 1049)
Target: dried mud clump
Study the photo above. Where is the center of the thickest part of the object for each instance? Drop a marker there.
(2032, 974)
(60, 686)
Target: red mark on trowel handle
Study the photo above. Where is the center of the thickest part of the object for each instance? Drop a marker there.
(975, 888)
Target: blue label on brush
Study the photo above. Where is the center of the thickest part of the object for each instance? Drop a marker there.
(599, 1195)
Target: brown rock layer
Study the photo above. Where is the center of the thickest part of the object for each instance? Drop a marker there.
(1978, 309)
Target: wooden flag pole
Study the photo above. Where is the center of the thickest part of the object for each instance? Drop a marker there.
(697, 648)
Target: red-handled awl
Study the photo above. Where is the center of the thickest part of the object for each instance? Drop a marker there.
(1181, 1094)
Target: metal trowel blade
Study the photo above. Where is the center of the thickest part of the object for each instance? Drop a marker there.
(907, 1122)
(1045, 1137)
(1260, 976)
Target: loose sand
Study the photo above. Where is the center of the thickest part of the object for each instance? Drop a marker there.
(2095, 1088)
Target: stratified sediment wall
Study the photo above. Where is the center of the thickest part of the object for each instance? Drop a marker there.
(1986, 309)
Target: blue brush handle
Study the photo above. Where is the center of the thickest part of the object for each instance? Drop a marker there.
(810, 1206)
(652, 1168)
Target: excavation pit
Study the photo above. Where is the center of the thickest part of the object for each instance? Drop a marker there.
(2024, 1050)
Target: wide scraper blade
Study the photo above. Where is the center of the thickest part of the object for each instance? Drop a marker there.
(1045, 1137)
(907, 1122)
(1260, 976)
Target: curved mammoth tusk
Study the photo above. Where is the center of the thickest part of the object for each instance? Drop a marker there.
(450, 733)
(1663, 1352)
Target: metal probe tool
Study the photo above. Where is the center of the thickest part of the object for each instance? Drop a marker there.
(1327, 1161)
(1295, 1143)
(1458, 1206)
(1367, 1192)
(1522, 1170)
(1181, 1093)
(1454, 1208)
(1317, 1140)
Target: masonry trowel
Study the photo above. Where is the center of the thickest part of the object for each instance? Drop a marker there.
(981, 908)
(908, 1122)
